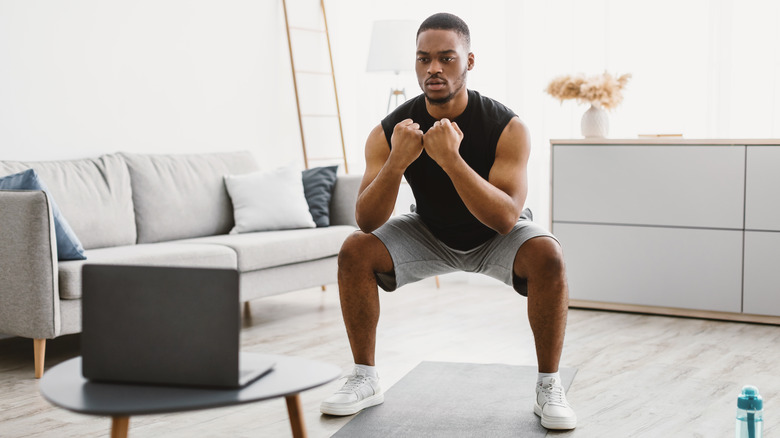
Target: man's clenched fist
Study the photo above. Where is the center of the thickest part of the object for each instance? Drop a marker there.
(442, 142)
(407, 143)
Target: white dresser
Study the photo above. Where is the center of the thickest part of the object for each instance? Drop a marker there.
(670, 226)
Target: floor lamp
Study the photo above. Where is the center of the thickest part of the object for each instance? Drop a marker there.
(392, 49)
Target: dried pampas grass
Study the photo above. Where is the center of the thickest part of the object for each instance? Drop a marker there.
(603, 90)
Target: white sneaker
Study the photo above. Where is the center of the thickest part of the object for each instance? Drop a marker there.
(361, 391)
(552, 406)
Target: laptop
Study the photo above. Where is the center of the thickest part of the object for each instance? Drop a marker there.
(164, 325)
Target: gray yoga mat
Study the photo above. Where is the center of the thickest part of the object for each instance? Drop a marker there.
(445, 399)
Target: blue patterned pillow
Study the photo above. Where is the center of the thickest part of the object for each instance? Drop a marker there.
(318, 188)
(68, 245)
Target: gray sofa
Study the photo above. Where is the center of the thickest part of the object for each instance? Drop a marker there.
(148, 209)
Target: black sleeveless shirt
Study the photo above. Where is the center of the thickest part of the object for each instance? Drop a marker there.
(437, 202)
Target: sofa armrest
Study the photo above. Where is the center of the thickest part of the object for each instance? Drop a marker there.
(342, 204)
(29, 293)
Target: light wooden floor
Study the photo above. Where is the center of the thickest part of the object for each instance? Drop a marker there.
(643, 376)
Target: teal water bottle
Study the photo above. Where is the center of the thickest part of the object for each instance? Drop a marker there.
(750, 413)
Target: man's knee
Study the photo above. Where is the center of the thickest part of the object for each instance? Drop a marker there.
(540, 256)
(364, 250)
(350, 250)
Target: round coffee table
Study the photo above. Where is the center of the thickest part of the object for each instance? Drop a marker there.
(64, 386)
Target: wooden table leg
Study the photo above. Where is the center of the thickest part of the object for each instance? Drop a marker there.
(295, 411)
(119, 427)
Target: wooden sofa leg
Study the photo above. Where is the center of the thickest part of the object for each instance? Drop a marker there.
(39, 351)
(324, 288)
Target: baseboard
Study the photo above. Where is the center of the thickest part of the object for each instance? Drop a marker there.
(673, 311)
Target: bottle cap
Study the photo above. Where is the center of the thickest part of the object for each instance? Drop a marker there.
(750, 399)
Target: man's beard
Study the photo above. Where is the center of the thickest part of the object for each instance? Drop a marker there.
(460, 83)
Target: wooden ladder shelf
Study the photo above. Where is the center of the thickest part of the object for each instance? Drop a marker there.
(318, 144)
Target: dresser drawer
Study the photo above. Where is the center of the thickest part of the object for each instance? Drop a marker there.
(653, 266)
(762, 190)
(671, 185)
(761, 287)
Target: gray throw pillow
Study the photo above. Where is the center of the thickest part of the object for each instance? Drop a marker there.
(318, 186)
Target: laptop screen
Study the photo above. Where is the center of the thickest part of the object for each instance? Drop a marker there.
(167, 325)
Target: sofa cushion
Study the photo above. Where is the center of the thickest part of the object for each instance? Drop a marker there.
(268, 200)
(156, 254)
(277, 248)
(183, 196)
(93, 193)
(318, 186)
(68, 244)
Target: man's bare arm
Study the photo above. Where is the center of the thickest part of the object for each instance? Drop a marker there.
(497, 202)
(384, 169)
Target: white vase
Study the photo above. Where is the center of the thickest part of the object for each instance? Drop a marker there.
(595, 122)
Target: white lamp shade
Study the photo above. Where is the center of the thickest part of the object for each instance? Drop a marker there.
(393, 46)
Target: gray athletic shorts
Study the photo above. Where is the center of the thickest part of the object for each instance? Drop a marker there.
(417, 254)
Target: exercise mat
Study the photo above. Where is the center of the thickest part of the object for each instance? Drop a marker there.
(447, 399)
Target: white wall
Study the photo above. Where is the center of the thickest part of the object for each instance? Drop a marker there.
(86, 77)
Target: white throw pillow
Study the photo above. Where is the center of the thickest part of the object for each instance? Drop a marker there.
(268, 200)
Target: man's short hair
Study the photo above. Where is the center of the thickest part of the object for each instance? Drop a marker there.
(445, 21)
